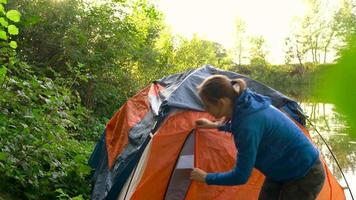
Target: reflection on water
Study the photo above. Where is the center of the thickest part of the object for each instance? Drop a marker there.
(332, 126)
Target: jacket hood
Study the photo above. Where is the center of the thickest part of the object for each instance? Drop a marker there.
(249, 102)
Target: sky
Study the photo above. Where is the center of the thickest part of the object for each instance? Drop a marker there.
(214, 20)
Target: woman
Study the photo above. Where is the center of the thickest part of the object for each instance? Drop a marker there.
(265, 139)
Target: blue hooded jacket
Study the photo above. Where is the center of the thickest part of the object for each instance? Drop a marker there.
(267, 140)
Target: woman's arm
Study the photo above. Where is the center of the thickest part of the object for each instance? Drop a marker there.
(247, 146)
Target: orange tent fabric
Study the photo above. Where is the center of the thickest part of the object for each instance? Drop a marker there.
(125, 118)
(214, 151)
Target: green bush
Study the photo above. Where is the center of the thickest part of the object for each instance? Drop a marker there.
(46, 134)
(42, 137)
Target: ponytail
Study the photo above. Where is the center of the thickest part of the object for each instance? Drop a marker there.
(238, 85)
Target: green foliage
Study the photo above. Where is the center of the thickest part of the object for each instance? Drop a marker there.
(3, 35)
(13, 15)
(41, 131)
(258, 52)
(114, 41)
(197, 52)
(293, 80)
(45, 133)
(64, 196)
(13, 44)
(7, 53)
(12, 30)
(3, 71)
(337, 84)
(3, 22)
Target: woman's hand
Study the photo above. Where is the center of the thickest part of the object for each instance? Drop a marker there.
(205, 123)
(198, 175)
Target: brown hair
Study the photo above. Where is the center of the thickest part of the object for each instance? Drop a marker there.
(217, 86)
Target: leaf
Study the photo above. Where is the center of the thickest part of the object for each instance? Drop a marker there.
(13, 30)
(3, 155)
(78, 158)
(13, 44)
(80, 197)
(13, 15)
(31, 20)
(3, 21)
(3, 1)
(3, 71)
(3, 35)
(1, 8)
(29, 195)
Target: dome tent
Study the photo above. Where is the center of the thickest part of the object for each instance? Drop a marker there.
(150, 145)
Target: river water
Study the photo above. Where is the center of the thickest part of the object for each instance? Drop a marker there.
(333, 128)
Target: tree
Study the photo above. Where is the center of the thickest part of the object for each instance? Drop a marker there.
(296, 48)
(320, 33)
(258, 51)
(197, 52)
(344, 24)
(240, 39)
(113, 43)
